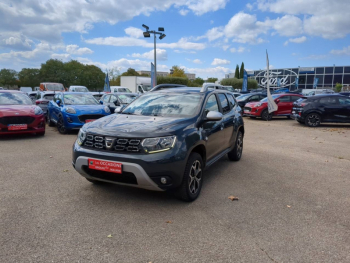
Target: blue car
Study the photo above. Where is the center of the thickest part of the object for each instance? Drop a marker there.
(71, 110)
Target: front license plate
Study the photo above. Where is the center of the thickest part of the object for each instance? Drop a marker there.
(105, 166)
(17, 127)
(246, 110)
(90, 120)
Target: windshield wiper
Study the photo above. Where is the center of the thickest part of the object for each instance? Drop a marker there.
(127, 113)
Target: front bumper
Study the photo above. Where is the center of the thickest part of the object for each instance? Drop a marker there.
(143, 170)
(253, 112)
(72, 121)
(38, 125)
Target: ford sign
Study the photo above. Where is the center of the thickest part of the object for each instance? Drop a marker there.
(274, 76)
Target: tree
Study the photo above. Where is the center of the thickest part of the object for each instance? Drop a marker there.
(178, 72)
(52, 71)
(241, 71)
(211, 80)
(130, 72)
(338, 87)
(29, 77)
(237, 72)
(8, 77)
(198, 81)
(172, 80)
(237, 83)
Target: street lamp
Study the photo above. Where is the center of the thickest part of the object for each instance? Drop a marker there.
(148, 33)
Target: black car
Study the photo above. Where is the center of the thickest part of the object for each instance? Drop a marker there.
(322, 108)
(345, 93)
(117, 99)
(163, 140)
(250, 97)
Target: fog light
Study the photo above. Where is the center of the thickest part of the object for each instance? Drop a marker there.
(163, 180)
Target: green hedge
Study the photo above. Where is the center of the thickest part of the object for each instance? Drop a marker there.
(172, 80)
(237, 83)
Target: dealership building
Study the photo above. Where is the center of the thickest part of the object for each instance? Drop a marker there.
(326, 77)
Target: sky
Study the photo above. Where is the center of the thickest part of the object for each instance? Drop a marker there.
(205, 37)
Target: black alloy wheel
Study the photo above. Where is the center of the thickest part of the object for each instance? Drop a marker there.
(48, 120)
(313, 120)
(265, 115)
(60, 125)
(192, 181)
(236, 153)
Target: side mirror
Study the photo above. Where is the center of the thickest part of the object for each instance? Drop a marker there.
(101, 102)
(58, 102)
(118, 109)
(277, 101)
(116, 103)
(214, 116)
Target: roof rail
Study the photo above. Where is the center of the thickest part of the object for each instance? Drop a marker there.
(167, 86)
(206, 86)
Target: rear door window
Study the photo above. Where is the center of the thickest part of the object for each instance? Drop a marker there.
(284, 99)
(329, 100)
(231, 100)
(344, 101)
(294, 98)
(224, 103)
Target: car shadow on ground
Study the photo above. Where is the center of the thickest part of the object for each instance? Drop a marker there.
(27, 136)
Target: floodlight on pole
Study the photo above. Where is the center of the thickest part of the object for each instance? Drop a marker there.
(148, 33)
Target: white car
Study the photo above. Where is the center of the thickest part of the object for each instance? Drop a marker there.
(78, 89)
(115, 89)
(25, 89)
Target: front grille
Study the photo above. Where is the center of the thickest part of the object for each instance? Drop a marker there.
(85, 117)
(247, 109)
(125, 177)
(16, 120)
(113, 144)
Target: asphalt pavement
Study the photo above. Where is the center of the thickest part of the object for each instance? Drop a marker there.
(293, 186)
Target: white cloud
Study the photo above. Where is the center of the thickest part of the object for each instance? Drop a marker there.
(161, 55)
(288, 25)
(218, 61)
(315, 57)
(214, 33)
(216, 72)
(184, 51)
(249, 6)
(15, 42)
(238, 50)
(63, 57)
(183, 43)
(297, 40)
(134, 32)
(195, 61)
(47, 20)
(183, 12)
(329, 19)
(75, 50)
(225, 47)
(344, 51)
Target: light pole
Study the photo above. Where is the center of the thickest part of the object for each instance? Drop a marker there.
(148, 33)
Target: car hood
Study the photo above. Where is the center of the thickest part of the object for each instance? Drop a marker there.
(16, 110)
(137, 126)
(87, 109)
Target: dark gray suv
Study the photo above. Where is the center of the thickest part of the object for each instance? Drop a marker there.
(163, 140)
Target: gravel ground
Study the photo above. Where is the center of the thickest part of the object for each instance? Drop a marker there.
(293, 185)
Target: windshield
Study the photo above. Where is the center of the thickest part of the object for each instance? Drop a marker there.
(146, 87)
(126, 99)
(122, 90)
(54, 86)
(273, 96)
(79, 99)
(166, 105)
(80, 89)
(14, 99)
(243, 97)
(49, 97)
(229, 88)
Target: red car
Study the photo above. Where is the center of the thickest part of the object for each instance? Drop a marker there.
(283, 101)
(19, 115)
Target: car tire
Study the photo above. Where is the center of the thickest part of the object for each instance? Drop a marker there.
(265, 115)
(192, 180)
(60, 125)
(313, 119)
(49, 121)
(236, 153)
(94, 181)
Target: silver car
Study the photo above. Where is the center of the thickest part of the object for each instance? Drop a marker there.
(42, 99)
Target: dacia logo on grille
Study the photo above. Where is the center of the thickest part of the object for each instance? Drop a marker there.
(109, 143)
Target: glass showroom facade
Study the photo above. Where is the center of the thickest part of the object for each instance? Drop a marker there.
(327, 77)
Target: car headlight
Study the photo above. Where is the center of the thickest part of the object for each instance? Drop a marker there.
(159, 144)
(38, 111)
(70, 110)
(258, 105)
(81, 137)
(107, 110)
